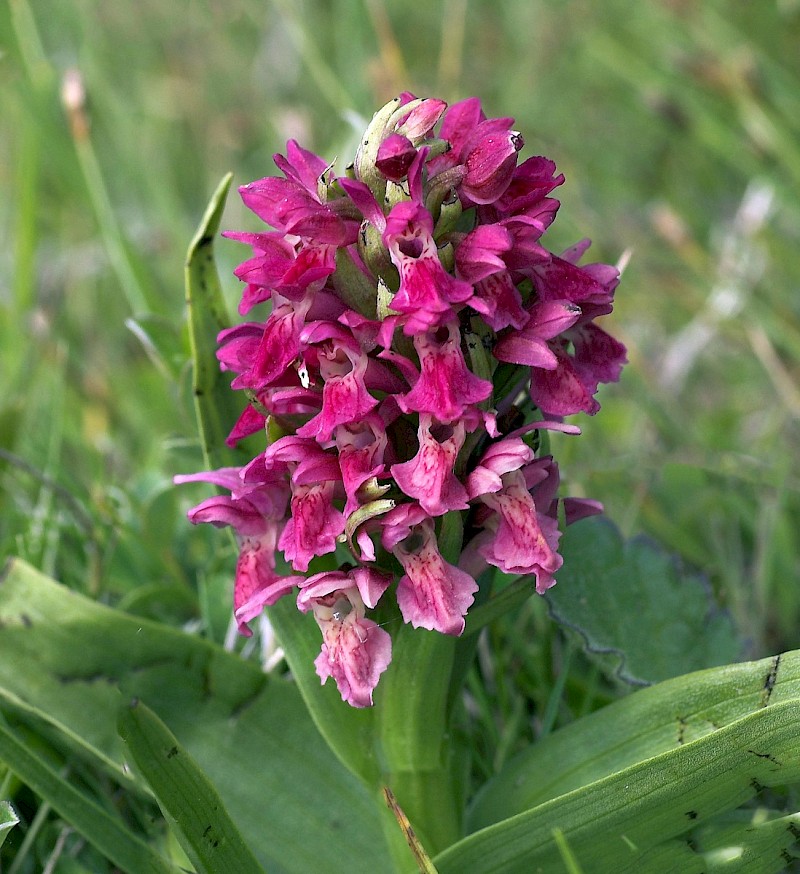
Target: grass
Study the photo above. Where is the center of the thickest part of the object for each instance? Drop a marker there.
(677, 128)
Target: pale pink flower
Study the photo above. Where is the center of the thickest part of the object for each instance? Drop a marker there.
(355, 651)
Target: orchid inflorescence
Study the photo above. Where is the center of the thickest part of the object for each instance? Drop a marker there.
(419, 336)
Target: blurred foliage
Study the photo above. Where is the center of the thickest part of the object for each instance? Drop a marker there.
(676, 124)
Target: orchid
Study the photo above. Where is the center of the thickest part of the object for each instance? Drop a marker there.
(410, 307)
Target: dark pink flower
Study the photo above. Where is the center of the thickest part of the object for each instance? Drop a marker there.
(342, 369)
(255, 514)
(428, 295)
(293, 205)
(278, 265)
(278, 347)
(361, 447)
(446, 386)
(486, 148)
(526, 194)
(429, 477)
(313, 526)
(480, 261)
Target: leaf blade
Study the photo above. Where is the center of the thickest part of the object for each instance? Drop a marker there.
(105, 832)
(206, 831)
(616, 821)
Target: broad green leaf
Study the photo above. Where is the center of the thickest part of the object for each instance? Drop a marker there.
(8, 819)
(642, 725)
(613, 824)
(753, 845)
(106, 832)
(76, 662)
(189, 800)
(214, 401)
(631, 602)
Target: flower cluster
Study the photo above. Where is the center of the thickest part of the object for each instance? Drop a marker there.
(418, 333)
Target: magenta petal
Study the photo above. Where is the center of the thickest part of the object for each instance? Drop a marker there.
(302, 165)
(279, 346)
(355, 654)
(446, 387)
(429, 476)
(345, 399)
(257, 585)
(432, 594)
(361, 447)
(499, 302)
(395, 156)
(478, 254)
(491, 161)
(313, 527)
(598, 356)
(561, 392)
(364, 199)
(525, 541)
(222, 510)
(500, 458)
(421, 119)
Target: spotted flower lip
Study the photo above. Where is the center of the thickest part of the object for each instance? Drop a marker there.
(355, 650)
(407, 331)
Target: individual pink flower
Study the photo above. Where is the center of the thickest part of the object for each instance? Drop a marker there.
(361, 447)
(293, 206)
(355, 651)
(429, 477)
(432, 593)
(428, 295)
(523, 538)
(313, 526)
(342, 369)
(446, 386)
(479, 260)
(486, 149)
(255, 514)
(291, 269)
(526, 194)
(278, 347)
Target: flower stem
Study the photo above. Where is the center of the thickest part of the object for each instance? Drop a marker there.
(414, 735)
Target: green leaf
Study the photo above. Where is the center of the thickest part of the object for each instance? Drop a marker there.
(751, 845)
(104, 831)
(75, 663)
(8, 819)
(645, 724)
(187, 797)
(214, 401)
(611, 825)
(631, 602)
